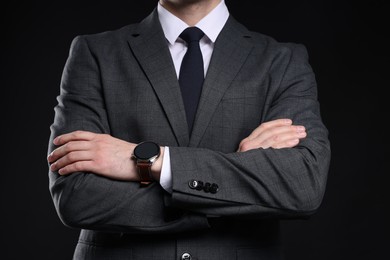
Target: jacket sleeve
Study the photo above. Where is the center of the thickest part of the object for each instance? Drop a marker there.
(262, 183)
(88, 201)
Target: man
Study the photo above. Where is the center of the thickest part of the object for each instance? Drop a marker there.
(143, 180)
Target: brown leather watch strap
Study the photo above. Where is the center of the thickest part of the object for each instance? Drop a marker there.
(145, 173)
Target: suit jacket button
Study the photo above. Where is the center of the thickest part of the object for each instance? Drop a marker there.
(186, 256)
(214, 188)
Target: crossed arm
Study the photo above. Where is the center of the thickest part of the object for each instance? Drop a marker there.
(104, 155)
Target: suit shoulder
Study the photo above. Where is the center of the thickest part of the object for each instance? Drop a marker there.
(107, 36)
(272, 44)
(104, 43)
(261, 40)
(277, 50)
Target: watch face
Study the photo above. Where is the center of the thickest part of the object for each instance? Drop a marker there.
(146, 150)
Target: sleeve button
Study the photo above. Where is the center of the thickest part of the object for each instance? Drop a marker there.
(200, 185)
(193, 184)
(214, 188)
(207, 187)
(186, 256)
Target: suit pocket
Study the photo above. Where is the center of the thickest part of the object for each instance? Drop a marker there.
(86, 251)
(266, 253)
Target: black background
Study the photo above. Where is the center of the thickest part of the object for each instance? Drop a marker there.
(349, 52)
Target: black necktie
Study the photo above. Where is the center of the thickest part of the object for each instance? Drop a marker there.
(191, 75)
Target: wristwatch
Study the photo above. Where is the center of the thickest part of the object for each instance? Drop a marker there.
(145, 154)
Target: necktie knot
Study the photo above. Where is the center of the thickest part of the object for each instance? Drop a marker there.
(192, 34)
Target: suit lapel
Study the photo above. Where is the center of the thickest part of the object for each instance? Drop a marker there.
(149, 46)
(230, 52)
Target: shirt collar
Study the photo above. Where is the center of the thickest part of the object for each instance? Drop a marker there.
(211, 24)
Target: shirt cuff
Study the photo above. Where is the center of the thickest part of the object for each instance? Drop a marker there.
(166, 174)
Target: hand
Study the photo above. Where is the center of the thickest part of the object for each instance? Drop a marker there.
(275, 134)
(101, 154)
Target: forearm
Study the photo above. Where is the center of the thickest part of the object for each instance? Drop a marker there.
(107, 197)
(88, 201)
(258, 183)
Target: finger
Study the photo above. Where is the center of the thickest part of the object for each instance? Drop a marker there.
(79, 166)
(272, 134)
(263, 128)
(287, 144)
(276, 132)
(243, 141)
(287, 140)
(71, 158)
(273, 137)
(67, 148)
(74, 136)
(269, 125)
(281, 136)
(253, 140)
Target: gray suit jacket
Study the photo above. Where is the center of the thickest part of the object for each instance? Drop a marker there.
(123, 83)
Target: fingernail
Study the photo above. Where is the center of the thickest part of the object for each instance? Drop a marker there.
(287, 121)
(300, 129)
(302, 134)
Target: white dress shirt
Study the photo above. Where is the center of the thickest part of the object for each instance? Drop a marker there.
(172, 26)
